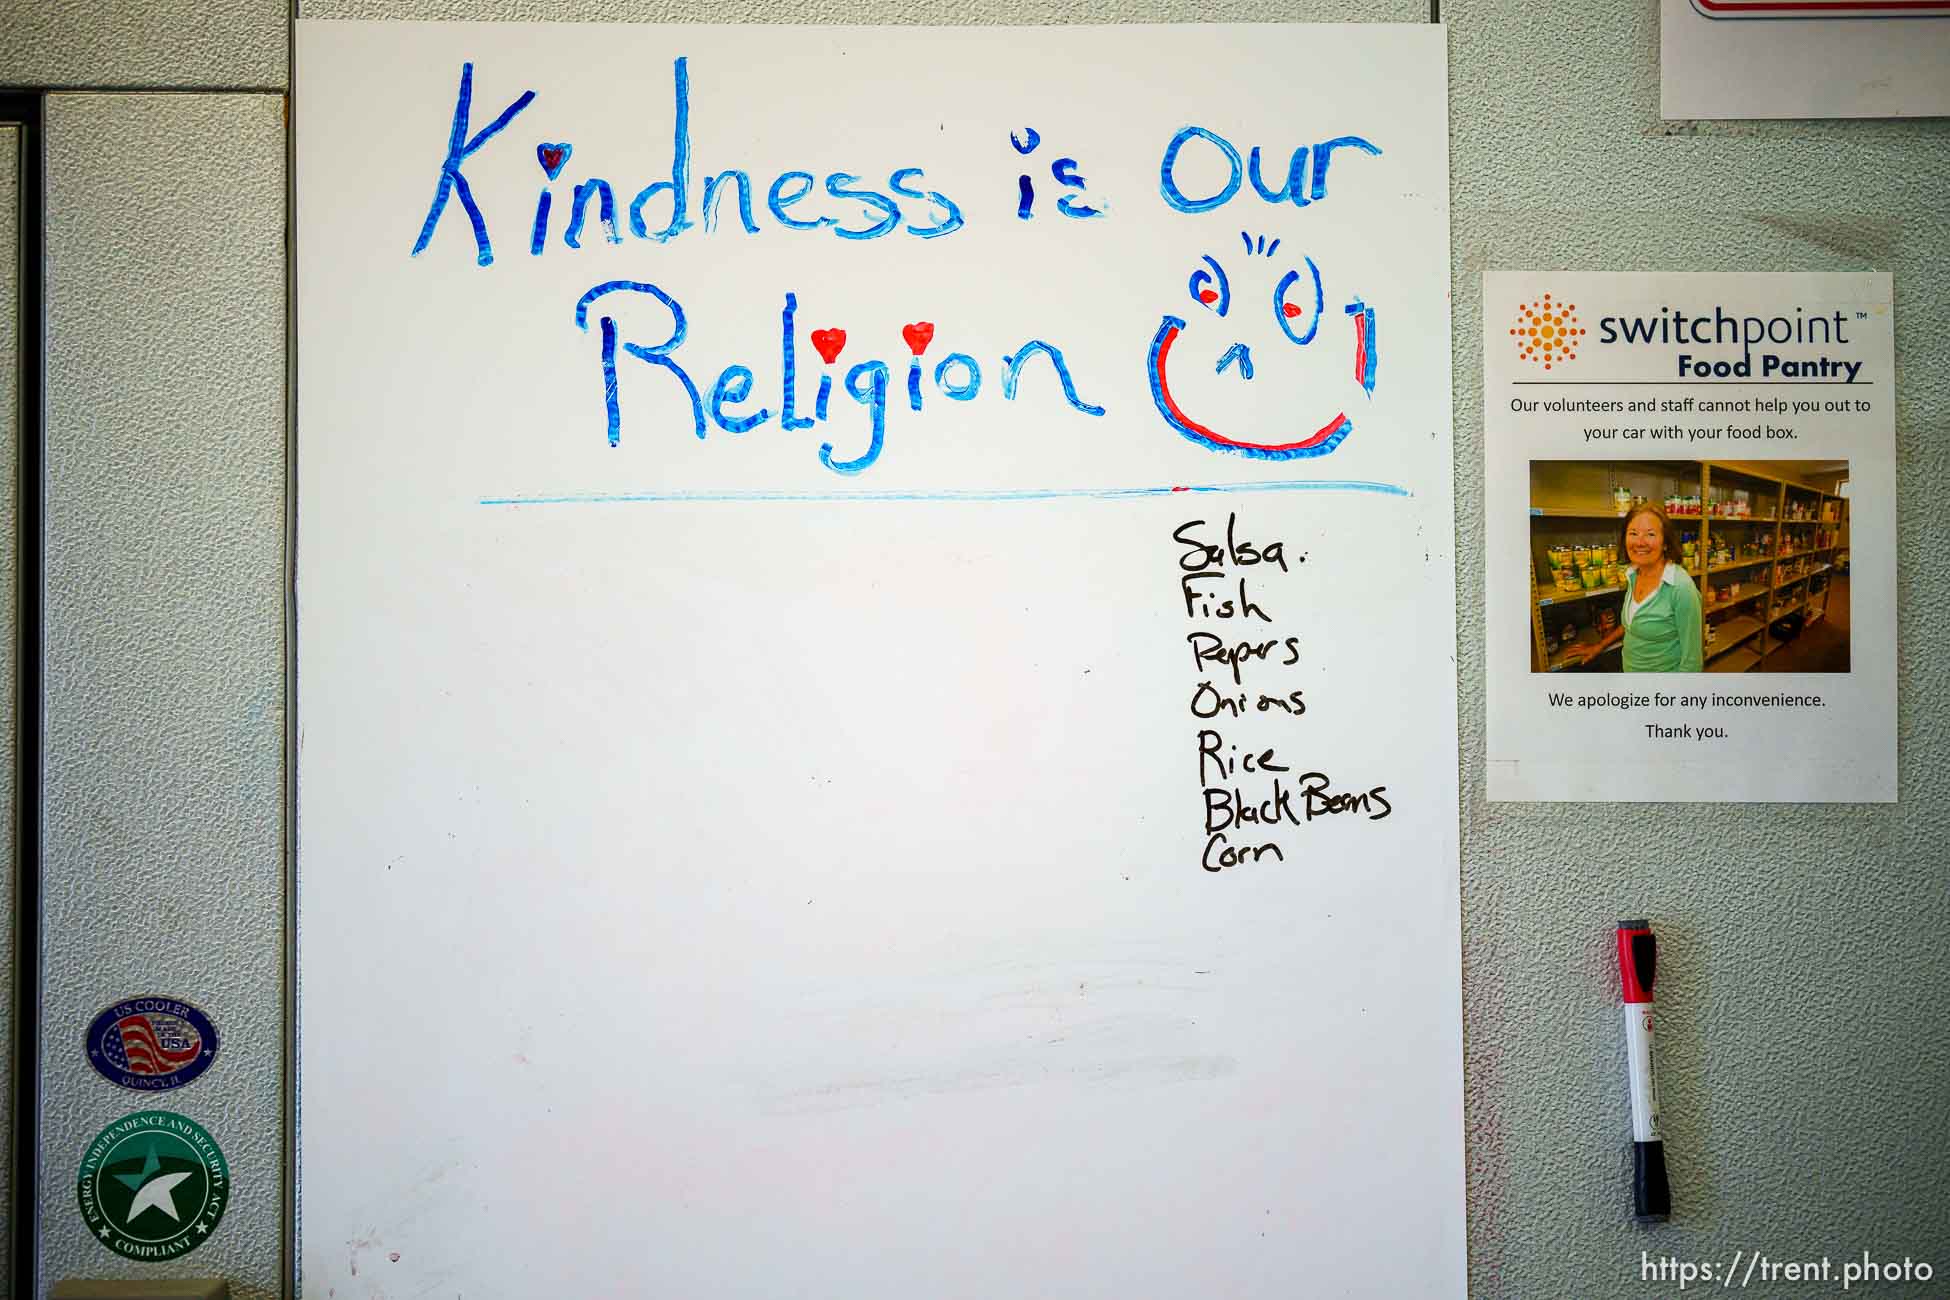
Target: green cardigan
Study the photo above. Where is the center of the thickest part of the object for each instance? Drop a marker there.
(1664, 635)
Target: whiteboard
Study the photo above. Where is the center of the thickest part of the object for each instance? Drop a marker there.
(885, 851)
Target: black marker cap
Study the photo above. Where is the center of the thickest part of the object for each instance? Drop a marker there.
(1651, 1195)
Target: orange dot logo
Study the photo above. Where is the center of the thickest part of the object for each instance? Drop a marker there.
(1547, 332)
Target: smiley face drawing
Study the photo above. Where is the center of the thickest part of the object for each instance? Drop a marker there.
(1297, 305)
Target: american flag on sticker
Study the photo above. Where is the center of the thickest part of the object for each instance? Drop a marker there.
(151, 1043)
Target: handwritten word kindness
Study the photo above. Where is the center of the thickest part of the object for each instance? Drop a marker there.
(877, 213)
(686, 197)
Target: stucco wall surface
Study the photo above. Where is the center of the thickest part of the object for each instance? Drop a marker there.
(163, 599)
(49, 44)
(1804, 1052)
(941, 13)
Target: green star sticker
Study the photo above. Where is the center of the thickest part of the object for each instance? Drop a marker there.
(149, 1166)
(153, 1185)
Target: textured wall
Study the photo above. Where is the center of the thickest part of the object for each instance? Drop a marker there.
(1804, 1048)
(1803, 1116)
(9, 522)
(164, 604)
(943, 13)
(68, 43)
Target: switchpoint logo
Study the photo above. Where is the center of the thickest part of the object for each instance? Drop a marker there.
(1547, 331)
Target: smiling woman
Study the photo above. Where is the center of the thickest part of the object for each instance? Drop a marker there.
(1660, 620)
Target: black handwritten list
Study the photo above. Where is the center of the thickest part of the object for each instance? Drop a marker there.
(1247, 700)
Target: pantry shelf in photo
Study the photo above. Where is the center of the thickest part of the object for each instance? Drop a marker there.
(1578, 514)
(1555, 596)
(1714, 607)
(1759, 515)
(1738, 662)
(1729, 634)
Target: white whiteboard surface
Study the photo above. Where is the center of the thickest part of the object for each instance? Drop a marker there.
(726, 873)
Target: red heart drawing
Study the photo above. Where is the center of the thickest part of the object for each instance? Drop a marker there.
(828, 343)
(918, 336)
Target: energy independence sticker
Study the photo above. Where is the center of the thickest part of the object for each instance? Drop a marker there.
(153, 1185)
(151, 1043)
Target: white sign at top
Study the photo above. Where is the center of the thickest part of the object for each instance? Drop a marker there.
(1803, 58)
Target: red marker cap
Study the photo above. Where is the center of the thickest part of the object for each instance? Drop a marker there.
(1637, 959)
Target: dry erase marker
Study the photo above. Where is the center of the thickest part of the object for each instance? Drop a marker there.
(1637, 959)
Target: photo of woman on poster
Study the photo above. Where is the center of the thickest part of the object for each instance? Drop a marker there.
(1752, 556)
(1660, 618)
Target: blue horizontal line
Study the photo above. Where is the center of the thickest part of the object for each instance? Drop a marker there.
(951, 494)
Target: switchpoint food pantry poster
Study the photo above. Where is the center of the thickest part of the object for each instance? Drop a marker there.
(1691, 524)
(876, 703)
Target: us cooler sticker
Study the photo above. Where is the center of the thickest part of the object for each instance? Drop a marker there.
(153, 1186)
(151, 1044)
